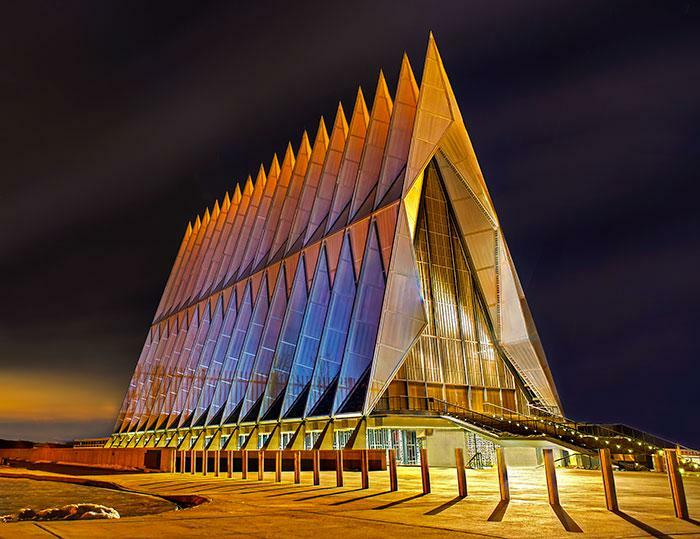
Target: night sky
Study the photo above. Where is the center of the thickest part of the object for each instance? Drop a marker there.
(120, 121)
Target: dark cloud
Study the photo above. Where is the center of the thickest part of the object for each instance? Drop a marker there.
(121, 121)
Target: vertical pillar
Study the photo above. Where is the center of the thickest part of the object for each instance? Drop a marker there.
(205, 461)
(193, 461)
(317, 466)
(461, 473)
(551, 475)
(183, 459)
(339, 468)
(173, 461)
(278, 466)
(608, 479)
(297, 467)
(502, 475)
(680, 503)
(658, 463)
(393, 475)
(217, 462)
(261, 465)
(424, 470)
(229, 464)
(364, 467)
(244, 464)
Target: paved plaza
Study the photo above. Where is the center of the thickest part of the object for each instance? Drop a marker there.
(267, 509)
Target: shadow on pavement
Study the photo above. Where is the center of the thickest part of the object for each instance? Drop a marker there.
(565, 519)
(439, 509)
(398, 502)
(343, 502)
(498, 512)
(641, 525)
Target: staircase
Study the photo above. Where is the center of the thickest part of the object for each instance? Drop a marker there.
(626, 444)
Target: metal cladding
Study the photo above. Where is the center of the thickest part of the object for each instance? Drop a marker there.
(367, 267)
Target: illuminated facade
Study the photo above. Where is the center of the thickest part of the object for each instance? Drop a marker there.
(344, 296)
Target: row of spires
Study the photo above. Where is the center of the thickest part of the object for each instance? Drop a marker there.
(311, 194)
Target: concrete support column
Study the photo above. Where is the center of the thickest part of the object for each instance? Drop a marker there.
(393, 475)
(502, 475)
(217, 462)
(278, 466)
(183, 460)
(551, 475)
(205, 461)
(461, 473)
(244, 464)
(173, 461)
(316, 457)
(364, 468)
(424, 470)
(680, 503)
(261, 465)
(297, 467)
(339, 468)
(608, 479)
(229, 464)
(193, 461)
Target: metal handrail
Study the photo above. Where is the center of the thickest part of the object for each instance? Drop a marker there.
(517, 423)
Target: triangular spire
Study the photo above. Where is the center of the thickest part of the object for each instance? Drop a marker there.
(308, 191)
(215, 212)
(399, 138)
(329, 174)
(236, 195)
(373, 152)
(291, 200)
(433, 117)
(226, 203)
(347, 175)
(274, 167)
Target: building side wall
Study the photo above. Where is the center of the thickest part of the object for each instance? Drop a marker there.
(121, 458)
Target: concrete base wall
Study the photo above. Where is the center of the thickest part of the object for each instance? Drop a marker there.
(441, 445)
(99, 457)
(521, 456)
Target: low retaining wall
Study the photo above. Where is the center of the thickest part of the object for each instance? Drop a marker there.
(118, 458)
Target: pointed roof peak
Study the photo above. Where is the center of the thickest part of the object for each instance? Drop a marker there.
(321, 132)
(207, 216)
(340, 119)
(227, 199)
(407, 81)
(289, 159)
(237, 194)
(382, 88)
(274, 166)
(197, 223)
(217, 208)
(360, 109)
(188, 230)
(248, 189)
(304, 145)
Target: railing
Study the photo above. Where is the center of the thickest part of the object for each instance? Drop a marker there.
(504, 422)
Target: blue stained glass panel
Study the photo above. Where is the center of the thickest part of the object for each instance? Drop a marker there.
(268, 343)
(289, 335)
(362, 336)
(335, 330)
(311, 331)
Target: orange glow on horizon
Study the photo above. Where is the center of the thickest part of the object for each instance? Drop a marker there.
(55, 397)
